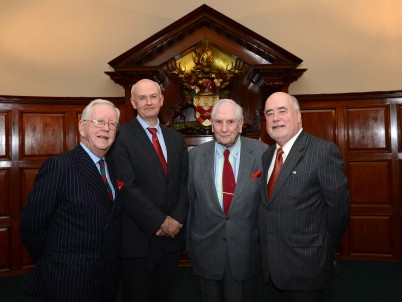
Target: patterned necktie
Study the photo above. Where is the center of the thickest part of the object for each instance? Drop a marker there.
(104, 179)
(275, 172)
(228, 182)
(158, 149)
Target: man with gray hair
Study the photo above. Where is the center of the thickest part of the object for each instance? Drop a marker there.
(222, 235)
(70, 224)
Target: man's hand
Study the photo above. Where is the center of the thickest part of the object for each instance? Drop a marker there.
(169, 227)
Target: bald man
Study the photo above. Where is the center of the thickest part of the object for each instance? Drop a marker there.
(304, 211)
(151, 160)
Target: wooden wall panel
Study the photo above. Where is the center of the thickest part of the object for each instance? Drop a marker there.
(371, 182)
(4, 135)
(5, 193)
(368, 129)
(43, 134)
(320, 122)
(5, 250)
(373, 228)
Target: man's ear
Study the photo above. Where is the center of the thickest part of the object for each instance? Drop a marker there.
(81, 128)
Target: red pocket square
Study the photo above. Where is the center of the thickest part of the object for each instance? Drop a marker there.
(120, 184)
(256, 174)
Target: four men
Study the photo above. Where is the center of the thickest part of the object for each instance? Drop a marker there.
(290, 202)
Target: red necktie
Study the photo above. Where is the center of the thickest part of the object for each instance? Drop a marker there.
(228, 182)
(158, 149)
(104, 179)
(275, 172)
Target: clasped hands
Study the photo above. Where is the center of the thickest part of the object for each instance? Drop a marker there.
(170, 227)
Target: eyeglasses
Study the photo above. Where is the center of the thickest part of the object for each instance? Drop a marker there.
(101, 123)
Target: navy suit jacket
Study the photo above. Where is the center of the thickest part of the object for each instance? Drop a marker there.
(72, 231)
(150, 195)
(304, 221)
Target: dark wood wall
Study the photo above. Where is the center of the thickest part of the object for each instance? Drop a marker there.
(367, 128)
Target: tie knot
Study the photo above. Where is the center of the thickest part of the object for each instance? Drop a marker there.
(101, 163)
(279, 152)
(152, 130)
(226, 153)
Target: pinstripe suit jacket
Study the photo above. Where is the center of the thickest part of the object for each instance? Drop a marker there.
(304, 221)
(72, 231)
(150, 195)
(211, 235)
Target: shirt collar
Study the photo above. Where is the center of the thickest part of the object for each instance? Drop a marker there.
(91, 155)
(286, 147)
(145, 125)
(234, 150)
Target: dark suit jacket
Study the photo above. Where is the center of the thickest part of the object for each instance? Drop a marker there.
(72, 231)
(303, 223)
(150, 195)
(212, 236)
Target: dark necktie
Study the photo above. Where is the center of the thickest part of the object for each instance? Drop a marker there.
(104, 179)
(275, 172)
(158, 149)
(228, 182)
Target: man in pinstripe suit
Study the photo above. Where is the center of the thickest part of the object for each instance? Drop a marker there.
(70, 224)
(304, 218)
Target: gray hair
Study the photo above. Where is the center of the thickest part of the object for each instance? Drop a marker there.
(239, 109)
(88, 109)
(295, 103)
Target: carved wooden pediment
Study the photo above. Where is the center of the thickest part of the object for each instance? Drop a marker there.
(261, 66)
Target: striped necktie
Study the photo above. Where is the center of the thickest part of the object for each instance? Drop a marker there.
(104, 179)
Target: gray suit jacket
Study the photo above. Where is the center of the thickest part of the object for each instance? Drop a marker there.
(303, 223)
(211, 235)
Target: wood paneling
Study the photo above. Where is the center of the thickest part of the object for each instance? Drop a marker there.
(371, 182)
(375, 135)
(373, 228)
(43, 134)
(5, 250)
(366, 127)
(4, 135)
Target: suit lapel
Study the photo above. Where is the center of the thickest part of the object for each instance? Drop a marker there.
(296, 152)
(266, 163)
(170, 147)
(208, 175)
(247, 162)
(91, 175)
